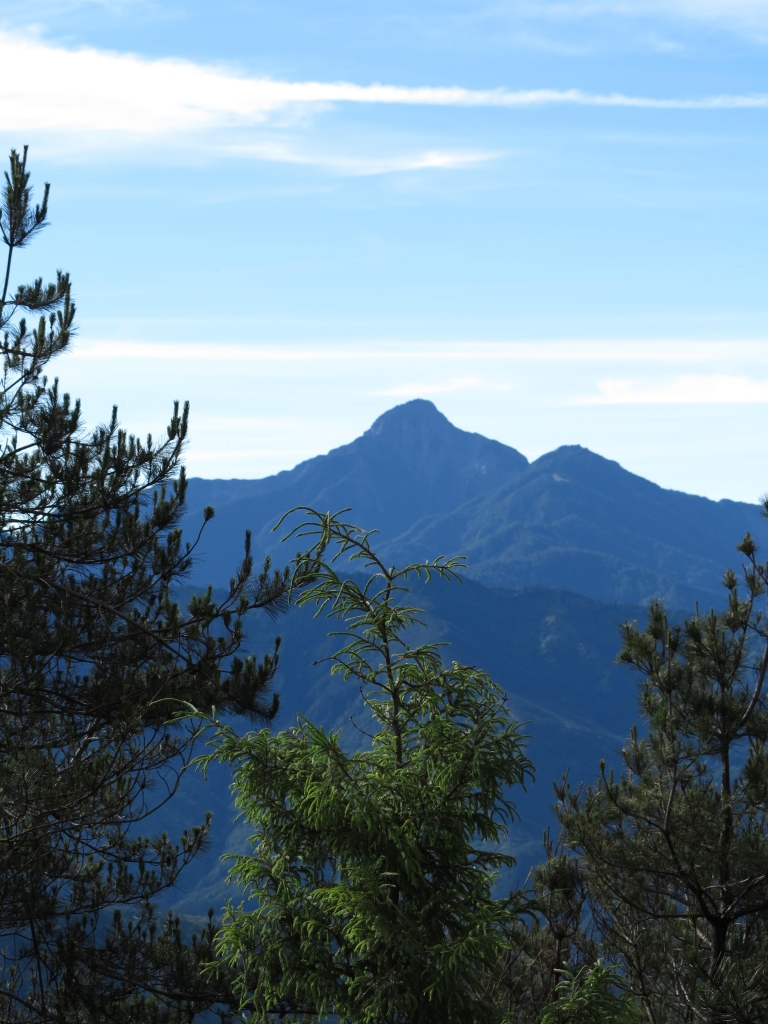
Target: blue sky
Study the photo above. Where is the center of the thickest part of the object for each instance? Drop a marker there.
(549, 217)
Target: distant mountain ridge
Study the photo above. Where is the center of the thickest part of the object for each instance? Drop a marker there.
(579, 522)
(570, 520)
(411, 464)
(560, 551)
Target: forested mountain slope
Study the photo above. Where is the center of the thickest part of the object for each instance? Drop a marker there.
(560, 551)
(551, 651)
(570, 520)
(578, 521)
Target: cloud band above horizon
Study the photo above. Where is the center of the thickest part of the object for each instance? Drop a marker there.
(95, 91)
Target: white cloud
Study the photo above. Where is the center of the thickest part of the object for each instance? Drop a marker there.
(366, 350)
(87, 95)
(446, 387)
(745, 10)
(715, 389)
(660, 44)
(279, 152)
(738, 14)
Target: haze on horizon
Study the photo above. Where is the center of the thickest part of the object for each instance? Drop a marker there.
(547, 217)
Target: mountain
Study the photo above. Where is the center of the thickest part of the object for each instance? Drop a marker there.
(570, 520)
(560, 552)
(553, 653)
(411, 465)
(577, 521)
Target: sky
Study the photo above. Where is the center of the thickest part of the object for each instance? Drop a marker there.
(549, 217)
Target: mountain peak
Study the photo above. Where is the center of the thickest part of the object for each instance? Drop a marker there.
(411, 464)
(415, 441)
(572, 519)
(418, 414)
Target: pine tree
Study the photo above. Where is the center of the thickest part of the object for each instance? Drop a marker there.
(589, 995)
(370, 886)
(95, 655)
(551, 937)
(676, 849)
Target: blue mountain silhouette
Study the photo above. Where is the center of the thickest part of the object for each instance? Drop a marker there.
(570, 520)
(560, 551)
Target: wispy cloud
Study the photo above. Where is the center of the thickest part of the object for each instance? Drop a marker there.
(715, 389)
(94, 94)
(660, 44)
(366, 350)
(361, 166)
(735, 12)
(738, 14)
(410, 390)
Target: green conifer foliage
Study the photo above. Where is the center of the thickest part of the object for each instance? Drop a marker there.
(551, 937)
(95, 654)
(370, 885)
(589, 996)
(676, 849)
